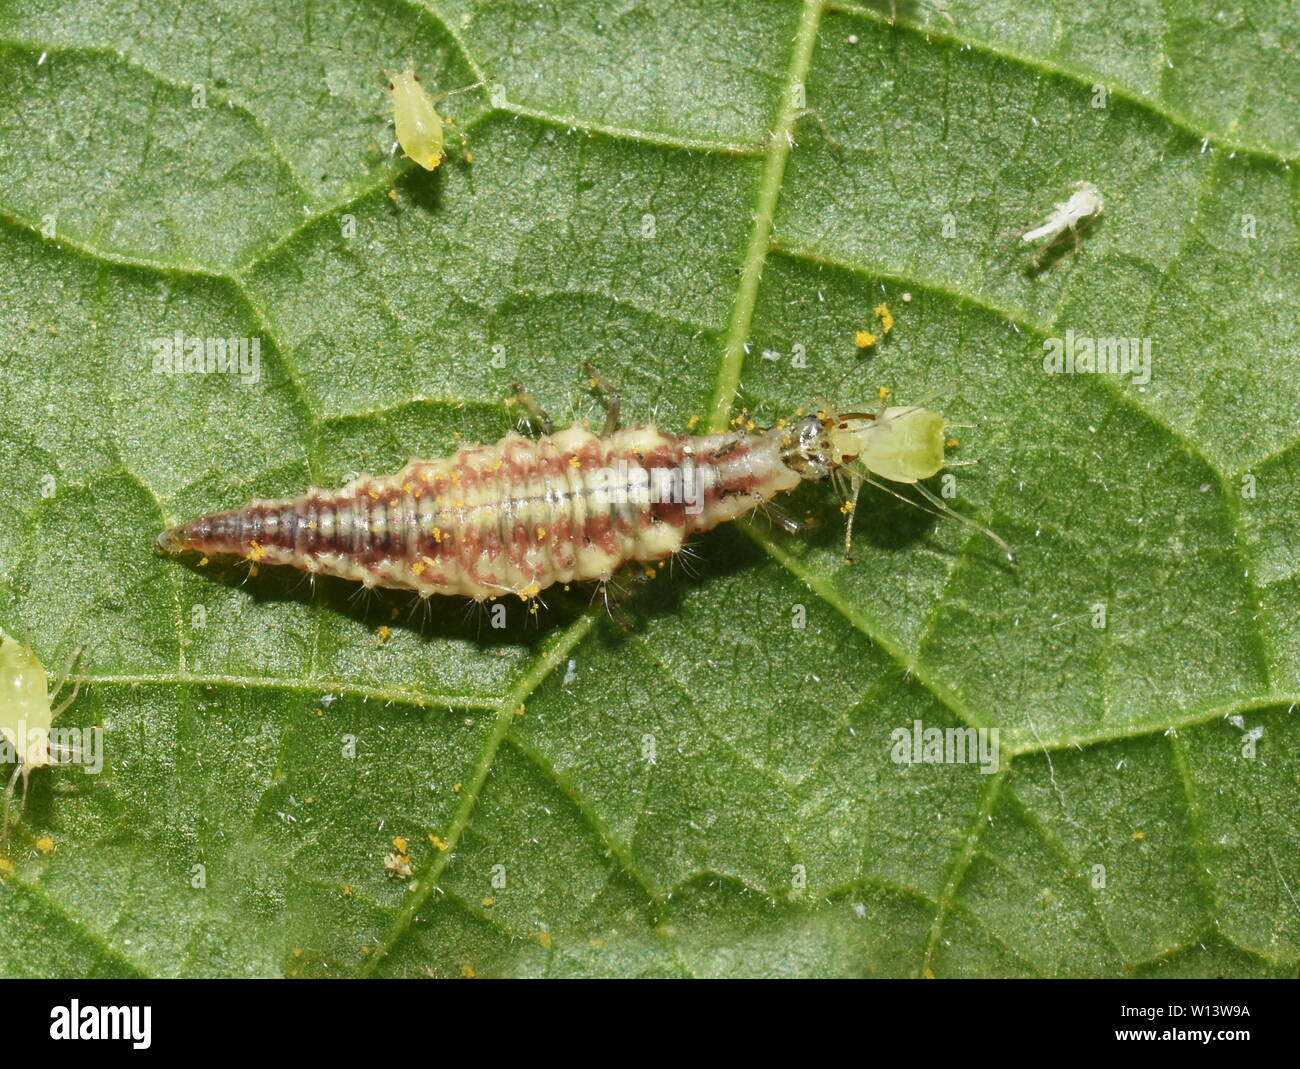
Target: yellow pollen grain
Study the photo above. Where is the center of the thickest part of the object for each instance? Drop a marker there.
(6, 867)
(488, 902)
(846, 508)
(574, 462)
(456, 787)
(311, 526)
(952, 443)
(519, 711)
(545, 939)
(882, 392)
(255, 551)
(467, 971)
(44, 844)
(864, 339)
(374, 494)
(541, 534)
(885, 316)
(418, 567)
(437, 842)
(400, 844)
(692, 423)
(408, 487)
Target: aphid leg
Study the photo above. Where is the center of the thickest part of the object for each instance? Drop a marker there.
(608, 396)
(849, 513)
(533, 412)
(6, 826)
(933, 5)
(454, 126)
(63, 678)
(804, 113)
(465, 152)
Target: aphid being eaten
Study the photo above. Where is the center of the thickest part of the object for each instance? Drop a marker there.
(416, 122)
(515, 517)
(27, 714)
(1083, 206)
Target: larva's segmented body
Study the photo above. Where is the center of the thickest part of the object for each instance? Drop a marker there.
(510, 518)
(523, 514)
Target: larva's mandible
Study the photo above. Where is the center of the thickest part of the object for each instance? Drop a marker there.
(523, 514)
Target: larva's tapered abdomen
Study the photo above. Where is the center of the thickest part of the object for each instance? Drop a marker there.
(511, 518)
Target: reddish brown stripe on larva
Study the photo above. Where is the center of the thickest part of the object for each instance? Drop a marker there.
(511, 518)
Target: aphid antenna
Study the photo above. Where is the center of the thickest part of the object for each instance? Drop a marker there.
(943, 509)
(440, 97)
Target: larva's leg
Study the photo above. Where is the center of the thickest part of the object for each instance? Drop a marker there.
(608, 395)
(641, 573)
(615, 609)
(535, 413)
(789, 523)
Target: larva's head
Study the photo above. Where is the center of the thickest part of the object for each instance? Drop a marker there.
(902, 444)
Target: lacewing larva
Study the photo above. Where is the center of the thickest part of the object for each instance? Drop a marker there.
(27, 714)
(1084, 204)
(515, 517)
(416, 122)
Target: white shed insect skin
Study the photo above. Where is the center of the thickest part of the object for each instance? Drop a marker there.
(27, 713)
(1084, 204)
(416, 121)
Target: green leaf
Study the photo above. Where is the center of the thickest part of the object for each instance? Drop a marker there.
(714, 792)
